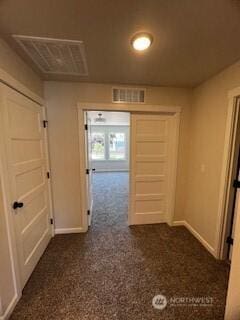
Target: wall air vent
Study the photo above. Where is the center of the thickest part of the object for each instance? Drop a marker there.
(55, 56)
(128, 95)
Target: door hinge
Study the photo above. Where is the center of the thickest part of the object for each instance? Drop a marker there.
(48, 175)
(51, 221)
(229, 240)
(87, 171)
(86, 127)
(45, 123)
(88, 212)
(236, 184)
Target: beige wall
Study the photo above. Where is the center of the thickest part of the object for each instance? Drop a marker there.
(15, 67)
(62, 99)
(207, 130)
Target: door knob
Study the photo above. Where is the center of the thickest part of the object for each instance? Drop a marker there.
(93, 169)
(17, 204)
(236, 184)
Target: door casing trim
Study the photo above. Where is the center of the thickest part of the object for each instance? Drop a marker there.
(233, 109)
(87, 106)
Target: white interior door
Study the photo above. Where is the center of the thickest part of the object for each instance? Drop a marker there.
(24, 141)
(152, 168)
(88, 157)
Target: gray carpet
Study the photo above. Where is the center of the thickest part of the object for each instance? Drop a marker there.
(113, 271)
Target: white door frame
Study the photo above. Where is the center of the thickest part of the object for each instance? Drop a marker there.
(46, 144)
(233, 109)
(15, 85)
(86, 106)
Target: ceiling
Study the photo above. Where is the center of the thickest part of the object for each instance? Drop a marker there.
(193, 40)
(112, 118)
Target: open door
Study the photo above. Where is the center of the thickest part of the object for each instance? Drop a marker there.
(152, 168)
(89, 169)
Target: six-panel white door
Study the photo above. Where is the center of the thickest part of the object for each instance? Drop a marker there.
(26, 161)
(152, 168)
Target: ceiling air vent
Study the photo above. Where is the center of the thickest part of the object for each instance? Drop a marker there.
(128, 95)
(55, 56)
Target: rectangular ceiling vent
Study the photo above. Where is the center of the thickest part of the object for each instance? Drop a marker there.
(128, 95)
(55, 56)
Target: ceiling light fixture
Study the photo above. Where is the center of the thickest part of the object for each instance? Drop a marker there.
(142, 41)
(100, 118)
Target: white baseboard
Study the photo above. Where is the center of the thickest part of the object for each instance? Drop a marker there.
(178, 223)
(196, 235)
(112, 170)
(69, 230)
(10, 308)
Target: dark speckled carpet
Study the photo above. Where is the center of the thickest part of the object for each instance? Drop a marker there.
(114, 271)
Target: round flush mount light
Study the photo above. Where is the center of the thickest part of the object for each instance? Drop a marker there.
(142, 41)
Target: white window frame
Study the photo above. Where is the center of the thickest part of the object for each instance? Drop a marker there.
(104, 153)
(125, 146)
(107, 156)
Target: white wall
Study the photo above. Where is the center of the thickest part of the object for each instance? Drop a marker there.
(62, 99)
(112, 165)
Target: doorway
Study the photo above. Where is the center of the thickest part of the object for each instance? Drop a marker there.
(107, 161)
(153, 144)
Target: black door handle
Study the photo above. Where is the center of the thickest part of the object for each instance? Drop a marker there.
(93, 169)
(17, 204)
(236, 184)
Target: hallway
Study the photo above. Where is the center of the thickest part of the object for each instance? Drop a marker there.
(114, 271)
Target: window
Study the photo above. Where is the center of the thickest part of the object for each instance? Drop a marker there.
(98, 146)
(108, 145)
(117, 146)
